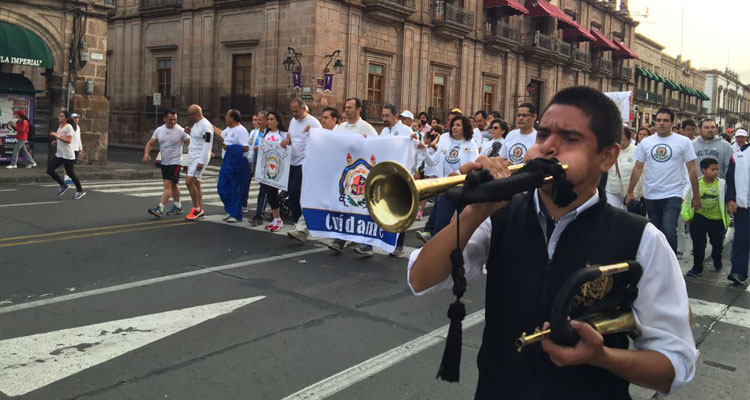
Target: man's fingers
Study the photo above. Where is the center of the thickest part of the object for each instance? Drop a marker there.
(586, 331)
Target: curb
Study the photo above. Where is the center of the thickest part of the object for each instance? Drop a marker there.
(83, 175)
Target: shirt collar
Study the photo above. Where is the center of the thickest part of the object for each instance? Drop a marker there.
(540, 209)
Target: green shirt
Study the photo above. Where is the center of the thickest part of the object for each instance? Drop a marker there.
(709, 193)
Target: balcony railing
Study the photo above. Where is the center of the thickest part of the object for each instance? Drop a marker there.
(624, 72)
(154, 4)
(704, 111)
(580, 56)
(691, 107)
(401, 3)
(390, 10)
(674, 103)
(242, 103)
(441, 11)
(539, 39)
(645, 95)
(563, 48)
(602, 64)
(440, 113)
(498, 29)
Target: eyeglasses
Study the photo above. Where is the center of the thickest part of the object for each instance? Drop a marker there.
(495, 127)
(523, 115)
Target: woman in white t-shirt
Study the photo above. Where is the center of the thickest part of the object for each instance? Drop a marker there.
(451, 153)
(275, 132)
(498, 129)
(65, 155)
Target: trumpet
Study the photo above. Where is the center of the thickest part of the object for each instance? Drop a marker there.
(393, 195)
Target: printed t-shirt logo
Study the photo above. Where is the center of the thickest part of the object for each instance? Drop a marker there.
(353, 180)
(516, 153)
(452, 156)
(661, 152)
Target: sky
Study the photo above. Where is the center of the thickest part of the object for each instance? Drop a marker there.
(714, 31)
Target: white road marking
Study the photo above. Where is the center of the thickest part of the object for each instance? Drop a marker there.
(8, 190)
(32, 362)
(350, 376)
(734, 315)
(116, 288)
(29, 204)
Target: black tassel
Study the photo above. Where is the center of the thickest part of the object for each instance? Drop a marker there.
(450, 366)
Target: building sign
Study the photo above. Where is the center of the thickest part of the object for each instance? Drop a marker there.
(20, 61)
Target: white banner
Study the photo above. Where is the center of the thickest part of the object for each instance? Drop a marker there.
(273, 164)
(622, 99)
(333, 184)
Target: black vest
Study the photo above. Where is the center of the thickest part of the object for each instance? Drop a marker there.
(521, 287)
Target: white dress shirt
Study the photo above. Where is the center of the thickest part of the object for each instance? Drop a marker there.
(661, 308)
(361, 126)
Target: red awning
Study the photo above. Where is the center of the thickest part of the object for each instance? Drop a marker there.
(603, 42)
(623, 51)
(514, 8)
(578, 34)
(540, 8)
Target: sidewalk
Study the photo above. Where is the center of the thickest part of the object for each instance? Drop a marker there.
(122, 164)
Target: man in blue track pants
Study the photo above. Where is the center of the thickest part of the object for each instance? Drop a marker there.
(233, 172)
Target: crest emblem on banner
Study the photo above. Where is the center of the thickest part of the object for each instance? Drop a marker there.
(352, 181)
(273, 165)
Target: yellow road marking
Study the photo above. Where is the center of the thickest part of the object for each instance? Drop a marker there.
(93, 234)
(10, 239)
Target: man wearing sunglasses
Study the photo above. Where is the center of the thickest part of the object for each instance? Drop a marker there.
(520, 140)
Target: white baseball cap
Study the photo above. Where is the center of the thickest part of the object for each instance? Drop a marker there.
(407, 114)
(74, 115)
(740, 132)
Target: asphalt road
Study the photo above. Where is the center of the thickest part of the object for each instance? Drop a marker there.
(105, 285)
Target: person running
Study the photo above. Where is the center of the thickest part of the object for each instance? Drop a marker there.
(170, 138)
(22, 136)
(64, 155)
(275, 132)
(519, 140)
(199, 154)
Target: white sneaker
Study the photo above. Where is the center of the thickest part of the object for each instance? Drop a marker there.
(226, 217)
(11, 166)
(31, 165)
(231, 220)
(299, 235)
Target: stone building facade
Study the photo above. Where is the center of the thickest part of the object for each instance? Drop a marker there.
(732, 106)
(422, 55)
(75, 35)
(665, 81)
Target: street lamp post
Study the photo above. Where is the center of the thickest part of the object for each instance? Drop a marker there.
(338, 67)
(289, 64)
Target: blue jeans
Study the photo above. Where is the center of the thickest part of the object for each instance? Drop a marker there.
(741, 243)
(664, 214)
(443, 210)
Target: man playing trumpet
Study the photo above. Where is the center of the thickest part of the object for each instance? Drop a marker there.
(530, 246)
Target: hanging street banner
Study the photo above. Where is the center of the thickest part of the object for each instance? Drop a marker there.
(333, 184)
(328, 83)
(273, 164)
(623, 101)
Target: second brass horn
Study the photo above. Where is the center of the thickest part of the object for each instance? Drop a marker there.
(393, 195)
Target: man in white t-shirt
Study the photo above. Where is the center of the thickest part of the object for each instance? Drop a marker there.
(665, 156)
(392, 125)
(199, 153)
(482, 132)
(518, 141)
(170, 137)
(232, 175)
(354, 124)
(299, 133)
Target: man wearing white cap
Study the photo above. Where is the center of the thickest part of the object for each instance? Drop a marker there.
(740, 139)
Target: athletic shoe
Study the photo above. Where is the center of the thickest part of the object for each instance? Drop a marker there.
(31, 165)
(424, 236)
(299, 235)
(337, 245)
(200, 214)
(256, 221)
(419, 215)
(62, 190)
(226, 217)
(278, 225)
(175, 210)
(736, 278)
(192, 214)
(268, 226)
(78, 195)
(244, 209)
(11, 166)
(397, 252)
(693, 273)
(231, 220)
(156, 211)
(364, 249)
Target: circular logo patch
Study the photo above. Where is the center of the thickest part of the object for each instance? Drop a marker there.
(516, 153)
(452, 156)
(661, 153)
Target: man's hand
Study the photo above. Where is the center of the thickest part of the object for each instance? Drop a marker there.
(187, 130)
(286, 142)
(589, 350)
(421, 146)
(629, 197)
(199, 167)
(731, 207)
(498, 168)
(224, 146)
(146, 157)
(696, 203)
(53, 134)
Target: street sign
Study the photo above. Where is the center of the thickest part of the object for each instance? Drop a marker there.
(157, 99)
